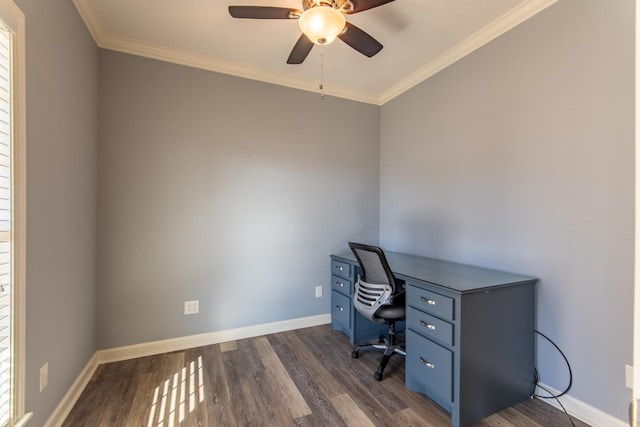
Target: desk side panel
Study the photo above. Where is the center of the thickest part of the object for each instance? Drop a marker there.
(496, 350)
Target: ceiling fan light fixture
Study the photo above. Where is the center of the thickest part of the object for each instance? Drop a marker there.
(322, 24)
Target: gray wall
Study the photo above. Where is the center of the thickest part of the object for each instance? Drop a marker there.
(225, 190)
(520, 157)
(61, 199)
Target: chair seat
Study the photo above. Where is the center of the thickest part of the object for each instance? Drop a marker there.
(391, 312)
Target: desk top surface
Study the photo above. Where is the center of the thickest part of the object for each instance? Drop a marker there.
(458, 277)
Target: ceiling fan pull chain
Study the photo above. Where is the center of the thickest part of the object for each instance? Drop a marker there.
(322, 72)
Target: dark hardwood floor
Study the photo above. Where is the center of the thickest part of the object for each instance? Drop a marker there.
(299, 378)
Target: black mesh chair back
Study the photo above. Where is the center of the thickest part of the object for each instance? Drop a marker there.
(374, 265)
(378, 296)
(375, 289)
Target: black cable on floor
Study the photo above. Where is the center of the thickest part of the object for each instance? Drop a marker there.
(536, 377)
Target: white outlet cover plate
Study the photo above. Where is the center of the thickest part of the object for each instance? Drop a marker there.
(191, 307)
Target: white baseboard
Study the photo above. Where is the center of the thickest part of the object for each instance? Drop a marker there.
(182, 343)
(23, 420)
(634, 413)
(157, 347)
(575, 407)
(73, 394)
(583, 411)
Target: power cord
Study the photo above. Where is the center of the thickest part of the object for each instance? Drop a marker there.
(536, 378)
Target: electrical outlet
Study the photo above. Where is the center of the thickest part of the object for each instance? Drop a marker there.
(44, 376)
(318, 291)
(628, 376)
(191, 307)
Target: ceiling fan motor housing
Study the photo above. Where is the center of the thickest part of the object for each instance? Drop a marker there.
(344, 6)
(321, 22)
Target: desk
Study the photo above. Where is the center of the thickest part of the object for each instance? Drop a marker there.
(469, 331)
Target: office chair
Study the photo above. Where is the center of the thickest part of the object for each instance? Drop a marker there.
(379, 297)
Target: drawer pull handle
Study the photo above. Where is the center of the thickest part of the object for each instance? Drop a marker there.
(339, 308)
(428, 325)
(341, 284)
(427, 364)
(339, 268)
(428, 301)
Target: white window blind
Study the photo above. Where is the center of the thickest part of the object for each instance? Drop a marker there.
(6, 371)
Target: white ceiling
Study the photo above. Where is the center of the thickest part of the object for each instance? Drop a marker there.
(420, 37)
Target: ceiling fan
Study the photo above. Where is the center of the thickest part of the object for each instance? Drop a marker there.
(321, 21)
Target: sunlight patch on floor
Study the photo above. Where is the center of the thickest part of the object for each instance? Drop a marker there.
(177, 396)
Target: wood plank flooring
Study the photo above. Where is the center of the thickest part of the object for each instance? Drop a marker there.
(298, 378)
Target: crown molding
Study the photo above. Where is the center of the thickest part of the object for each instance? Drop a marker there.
(135, 47)
(498, 27)
(211, 64)
(90, 20)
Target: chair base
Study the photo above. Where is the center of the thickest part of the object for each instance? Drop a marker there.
(389, 347)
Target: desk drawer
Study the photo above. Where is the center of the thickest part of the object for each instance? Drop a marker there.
(430, 364)
(340, 311)
(341, 269)
(429, 326)
(430, 302)
(342, 285)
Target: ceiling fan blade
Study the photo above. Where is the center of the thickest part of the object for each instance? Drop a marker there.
(263, 12)
(361, 5)
(300, 50)
(360, 41)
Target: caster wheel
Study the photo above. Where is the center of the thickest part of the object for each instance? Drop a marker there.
(354, 354)
(377, 376)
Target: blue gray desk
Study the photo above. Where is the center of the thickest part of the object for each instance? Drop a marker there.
(469, 331)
